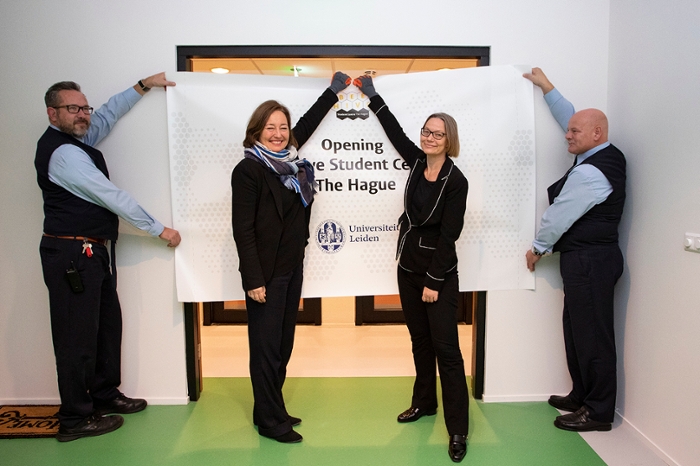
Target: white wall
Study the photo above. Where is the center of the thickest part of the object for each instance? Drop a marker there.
(653, 104)
(108, 46)
(123, 43)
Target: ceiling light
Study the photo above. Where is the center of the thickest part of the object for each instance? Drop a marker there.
(220, 70)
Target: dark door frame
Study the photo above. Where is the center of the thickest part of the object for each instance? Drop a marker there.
(215, 313)
(366, 313)
(187, 52)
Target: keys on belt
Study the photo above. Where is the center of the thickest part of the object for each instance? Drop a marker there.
(87, 248)
(87, 242)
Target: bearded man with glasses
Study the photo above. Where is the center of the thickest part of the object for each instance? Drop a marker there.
(81, 210)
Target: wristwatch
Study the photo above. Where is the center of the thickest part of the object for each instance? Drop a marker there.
(537, 253)
(143, 87)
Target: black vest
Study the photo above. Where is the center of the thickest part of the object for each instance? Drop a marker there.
(64, 213)
(598, 226)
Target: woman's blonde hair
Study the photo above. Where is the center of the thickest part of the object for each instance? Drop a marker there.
(451, 133)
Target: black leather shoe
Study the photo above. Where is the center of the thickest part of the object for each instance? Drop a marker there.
(458, 447)
(413, 414)
(90, 427)
(565, 403)
(294, 420)
(580, 421)
(121, 405)
(290, 437)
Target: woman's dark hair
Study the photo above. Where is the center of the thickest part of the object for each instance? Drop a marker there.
(259, 118)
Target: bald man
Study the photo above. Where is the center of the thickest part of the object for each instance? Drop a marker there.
(581, 224)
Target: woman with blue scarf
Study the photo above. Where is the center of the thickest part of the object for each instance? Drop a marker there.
(273, 190)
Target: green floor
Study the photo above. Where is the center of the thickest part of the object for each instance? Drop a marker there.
(346, 421)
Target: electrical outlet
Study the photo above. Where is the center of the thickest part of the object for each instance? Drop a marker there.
(692, 242)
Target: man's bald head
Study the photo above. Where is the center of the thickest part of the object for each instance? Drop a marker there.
(587, 129)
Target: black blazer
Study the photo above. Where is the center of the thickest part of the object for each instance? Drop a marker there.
(257, 215)
(426, 243)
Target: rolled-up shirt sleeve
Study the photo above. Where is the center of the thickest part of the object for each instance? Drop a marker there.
(73, 170)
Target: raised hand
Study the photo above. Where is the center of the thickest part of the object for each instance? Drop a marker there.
(157, 80)
(539, 79)
(365, 84)
(339, 81)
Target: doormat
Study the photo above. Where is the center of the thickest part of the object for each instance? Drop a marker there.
(28, 421)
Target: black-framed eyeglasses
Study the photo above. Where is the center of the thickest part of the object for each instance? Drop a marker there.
(76, 108)
(426, 132)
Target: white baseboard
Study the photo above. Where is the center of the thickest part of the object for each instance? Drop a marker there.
(647, 441)
(30, 401)
(169, 401)
(56, 401)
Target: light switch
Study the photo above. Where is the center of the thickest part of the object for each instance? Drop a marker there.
(692, 242)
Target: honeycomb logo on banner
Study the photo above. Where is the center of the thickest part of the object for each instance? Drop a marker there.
(330, 236)
(352, 105)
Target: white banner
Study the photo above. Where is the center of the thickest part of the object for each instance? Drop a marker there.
(361, 178)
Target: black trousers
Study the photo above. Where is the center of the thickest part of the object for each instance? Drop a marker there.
(589, 277)
(433, 329)
(86, 327)
(271, 327)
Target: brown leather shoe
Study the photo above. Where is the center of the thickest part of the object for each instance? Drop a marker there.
(90, 427)
(565, 403)
(581, 421)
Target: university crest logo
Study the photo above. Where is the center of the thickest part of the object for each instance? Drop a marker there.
(330, 236)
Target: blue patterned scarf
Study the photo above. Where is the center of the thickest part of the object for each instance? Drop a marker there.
(295, 174)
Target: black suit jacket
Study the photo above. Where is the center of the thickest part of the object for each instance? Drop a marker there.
(426, 243)
(257, 212)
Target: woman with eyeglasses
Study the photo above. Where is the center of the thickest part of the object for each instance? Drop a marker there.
(435, 201)
(272, 193)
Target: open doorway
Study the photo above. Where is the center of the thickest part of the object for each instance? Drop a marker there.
(323, 61)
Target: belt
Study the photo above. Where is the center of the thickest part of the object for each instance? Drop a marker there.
(101, 241)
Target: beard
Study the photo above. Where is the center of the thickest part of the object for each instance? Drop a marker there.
(72, 128)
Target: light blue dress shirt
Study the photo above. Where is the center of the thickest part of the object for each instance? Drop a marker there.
(585, 187)
(72, 168)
